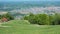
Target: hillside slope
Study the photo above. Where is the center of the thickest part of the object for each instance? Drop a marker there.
(23, 27)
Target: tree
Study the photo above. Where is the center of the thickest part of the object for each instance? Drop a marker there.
(0, 16)
(41, 19)
(57, 19)
(8, 16)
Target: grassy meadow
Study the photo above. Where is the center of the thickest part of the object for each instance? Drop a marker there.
(24, 27)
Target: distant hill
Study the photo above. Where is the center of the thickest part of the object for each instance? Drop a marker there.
(8, 6)
(19, 9)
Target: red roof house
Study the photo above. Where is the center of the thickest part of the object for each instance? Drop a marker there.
(4, 19)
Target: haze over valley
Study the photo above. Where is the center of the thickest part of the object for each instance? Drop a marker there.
(26, 7)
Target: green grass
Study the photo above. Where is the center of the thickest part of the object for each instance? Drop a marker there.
(24, 27)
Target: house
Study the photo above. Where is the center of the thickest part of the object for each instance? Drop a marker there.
(4, 19)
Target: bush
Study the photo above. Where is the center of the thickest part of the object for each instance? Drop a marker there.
(41, 19)
(56, 20)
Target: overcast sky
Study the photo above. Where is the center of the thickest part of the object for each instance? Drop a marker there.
(29, 0)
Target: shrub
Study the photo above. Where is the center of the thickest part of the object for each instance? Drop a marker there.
(56, 20)
(41, 19)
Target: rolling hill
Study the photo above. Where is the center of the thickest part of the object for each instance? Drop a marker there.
(23, 27)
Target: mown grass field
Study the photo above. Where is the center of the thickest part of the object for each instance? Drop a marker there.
(24, 27)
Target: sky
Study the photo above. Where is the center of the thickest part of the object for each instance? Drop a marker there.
(29, 0)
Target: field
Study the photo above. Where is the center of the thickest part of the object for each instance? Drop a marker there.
(24, 27)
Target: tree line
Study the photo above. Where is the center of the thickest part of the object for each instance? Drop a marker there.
(43, 19)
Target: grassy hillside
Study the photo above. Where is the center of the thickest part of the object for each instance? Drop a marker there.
(24, 27)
